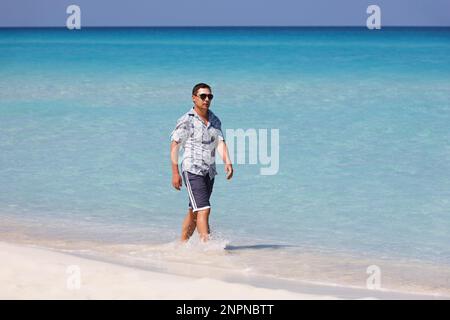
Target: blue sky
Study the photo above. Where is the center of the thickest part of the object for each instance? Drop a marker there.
(31, 13)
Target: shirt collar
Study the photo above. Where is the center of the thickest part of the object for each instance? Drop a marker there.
(210, 115)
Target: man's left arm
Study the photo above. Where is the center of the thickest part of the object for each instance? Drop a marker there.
(223, 151)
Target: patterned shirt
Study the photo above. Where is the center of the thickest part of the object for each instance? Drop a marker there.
(199, 142)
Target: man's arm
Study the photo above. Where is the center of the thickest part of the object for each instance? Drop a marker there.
(177, 182)
(223, 151)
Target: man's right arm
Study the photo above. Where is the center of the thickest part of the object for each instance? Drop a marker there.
(178, 137)
(177, 182)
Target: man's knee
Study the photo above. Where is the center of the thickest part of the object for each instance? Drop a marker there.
(203, 214)
(203, 211)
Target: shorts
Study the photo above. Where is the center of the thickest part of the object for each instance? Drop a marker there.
(199, 190)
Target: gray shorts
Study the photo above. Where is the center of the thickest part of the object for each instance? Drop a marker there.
(199, 190)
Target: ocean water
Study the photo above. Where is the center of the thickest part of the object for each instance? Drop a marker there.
(364, 148)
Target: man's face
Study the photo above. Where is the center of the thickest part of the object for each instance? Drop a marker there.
(204, 103)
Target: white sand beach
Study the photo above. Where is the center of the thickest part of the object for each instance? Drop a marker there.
(34, 273)
(28, 272)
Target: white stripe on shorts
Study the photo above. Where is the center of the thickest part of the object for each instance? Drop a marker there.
(191, 195)
(202, 208)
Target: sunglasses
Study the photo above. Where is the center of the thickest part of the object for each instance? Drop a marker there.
(204, 95)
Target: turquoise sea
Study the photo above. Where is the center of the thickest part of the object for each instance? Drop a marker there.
(364, 149)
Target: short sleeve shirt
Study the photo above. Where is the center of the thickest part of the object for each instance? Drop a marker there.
(199, 141)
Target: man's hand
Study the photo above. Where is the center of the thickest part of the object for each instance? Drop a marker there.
(177, 182)
(176, 178)
(229, 171)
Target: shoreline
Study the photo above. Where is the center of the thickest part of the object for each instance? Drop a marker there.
(40, 273)
(302, 270)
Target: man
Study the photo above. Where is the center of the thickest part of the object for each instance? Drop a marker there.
(199, 132)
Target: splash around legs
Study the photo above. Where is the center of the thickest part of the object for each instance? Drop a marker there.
(199, 220)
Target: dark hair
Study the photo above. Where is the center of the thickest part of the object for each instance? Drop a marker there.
(200, 86)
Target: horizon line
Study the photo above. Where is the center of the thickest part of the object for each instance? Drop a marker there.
(235, 26)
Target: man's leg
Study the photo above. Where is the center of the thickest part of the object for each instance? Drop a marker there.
(203, 224)
(189, 224)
